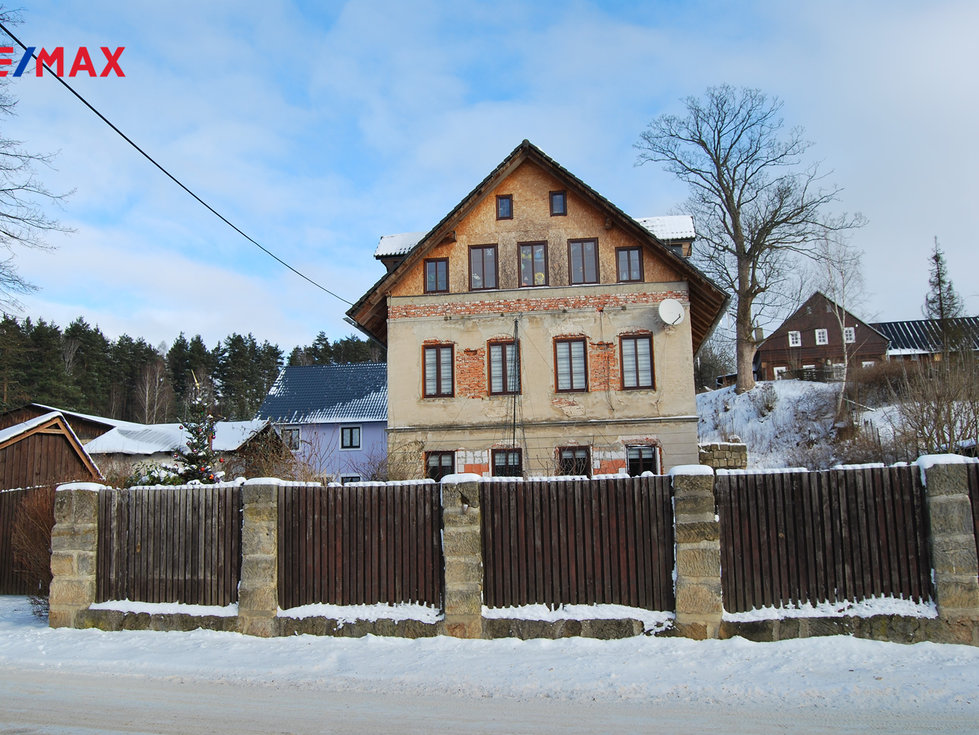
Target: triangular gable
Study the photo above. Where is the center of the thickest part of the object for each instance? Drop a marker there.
(51, 423)
(708, 300)
(818, 300)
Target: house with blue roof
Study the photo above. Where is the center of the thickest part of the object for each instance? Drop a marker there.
(333, 418)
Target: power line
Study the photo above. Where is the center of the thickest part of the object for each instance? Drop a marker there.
(173, 178)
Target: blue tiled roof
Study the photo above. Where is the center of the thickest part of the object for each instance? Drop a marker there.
(925, 335)
(322, 394)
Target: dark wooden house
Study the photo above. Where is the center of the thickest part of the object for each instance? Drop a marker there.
(811, 343)
(43, 451)
(84, 426)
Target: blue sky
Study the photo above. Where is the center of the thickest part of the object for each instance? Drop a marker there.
(319, 127)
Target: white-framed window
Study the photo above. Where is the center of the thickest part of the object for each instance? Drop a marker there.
(795, 339)
(290, 437)
(867, 364)
(808, 367)
(349, 437)
(849, 335)
(779, 371)
(822, 337)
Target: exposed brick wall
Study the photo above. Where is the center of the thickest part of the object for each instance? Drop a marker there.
(471, 372)
(475, 306)
(603, 366)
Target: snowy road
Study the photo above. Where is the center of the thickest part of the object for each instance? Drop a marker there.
(86, 681)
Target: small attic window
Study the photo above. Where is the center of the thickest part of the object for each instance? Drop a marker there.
(559, 204)
(504, 206)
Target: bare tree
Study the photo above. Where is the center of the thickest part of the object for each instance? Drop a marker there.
(23, 222)
(754, 204)
(840, 277)
(153, 393)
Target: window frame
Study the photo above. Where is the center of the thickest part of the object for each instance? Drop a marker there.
(292, 444)
(440, 391)
(849, 335)
(440, 454)
(490, 374)
(504, 198)
(618, 264)
(571, 371)
(822, 337)
(571, 262)
(436, 262)
(563, 194)
(344, 447)
(520, 270)
(562, 467)
(344, 479)
(636, 338)
(506, 453)
(654, 459)
(778, 371)
(496, 267)
(795, 338)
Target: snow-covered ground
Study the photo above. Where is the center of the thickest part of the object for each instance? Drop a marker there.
(845, 684)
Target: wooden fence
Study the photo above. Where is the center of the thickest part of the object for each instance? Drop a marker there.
(578, 542)
(170, 545)
(15, 579)
(828, 536)
(360, 544)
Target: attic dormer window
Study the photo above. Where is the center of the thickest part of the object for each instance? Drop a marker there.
(504, 206)
(559, 204)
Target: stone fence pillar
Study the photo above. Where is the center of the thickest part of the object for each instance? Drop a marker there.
(698, 553)
(953, 545)
(462, 547)
(74, 545)
(258, 590)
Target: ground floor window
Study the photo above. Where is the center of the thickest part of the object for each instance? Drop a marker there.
(290, 437)
(439, 464)
(507, 463)
(642, 459)
(574, 461)
(349, 478)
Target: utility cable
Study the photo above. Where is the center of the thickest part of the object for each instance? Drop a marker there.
(173, 178)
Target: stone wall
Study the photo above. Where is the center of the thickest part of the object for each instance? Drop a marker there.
(724, 455)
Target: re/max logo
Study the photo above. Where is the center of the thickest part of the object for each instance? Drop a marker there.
(55, 59)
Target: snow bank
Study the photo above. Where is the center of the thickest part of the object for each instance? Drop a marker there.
(863, 609)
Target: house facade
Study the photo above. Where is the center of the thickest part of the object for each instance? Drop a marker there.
(539, 330)
(332, 418)
(811, 343)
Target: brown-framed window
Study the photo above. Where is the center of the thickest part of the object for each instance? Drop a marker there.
(437, 275)
(574, 461)
(582, 261)
(504, 206)
(628, 264)
(641, 459)
(439, 464)
(437, 369)
(482, 267)
(533, 264)
(504, 368)
(637, 362)
(507, 463)
(571, 364)
(559, 203)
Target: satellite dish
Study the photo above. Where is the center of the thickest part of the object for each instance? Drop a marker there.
(671, 312)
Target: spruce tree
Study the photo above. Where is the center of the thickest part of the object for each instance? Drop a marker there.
(197, 461)
(942, 303)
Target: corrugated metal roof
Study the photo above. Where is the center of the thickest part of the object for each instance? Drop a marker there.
(671, 227)
(323, 394)
(924, 336)
(165, 438)
(400, 244)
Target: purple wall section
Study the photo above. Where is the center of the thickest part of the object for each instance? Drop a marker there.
(320, 447)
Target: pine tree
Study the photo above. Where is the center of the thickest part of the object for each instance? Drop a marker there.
(197, 461)
(942, 303)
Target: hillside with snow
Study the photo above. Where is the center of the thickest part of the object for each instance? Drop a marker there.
(785, 423)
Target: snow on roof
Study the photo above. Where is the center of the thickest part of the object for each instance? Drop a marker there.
(23, 428)
(323, 394)
(670, 227)
(87, 416)
(400, 244)
(166, 438)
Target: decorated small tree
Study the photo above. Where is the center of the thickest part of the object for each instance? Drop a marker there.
(197, 461)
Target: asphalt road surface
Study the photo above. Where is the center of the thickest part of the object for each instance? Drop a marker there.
(62, 702)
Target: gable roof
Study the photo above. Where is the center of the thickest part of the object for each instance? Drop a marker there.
(49, 423)
(708, 301)
(924, 336)
(323, 394)
(817, 300)
(166, 438)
